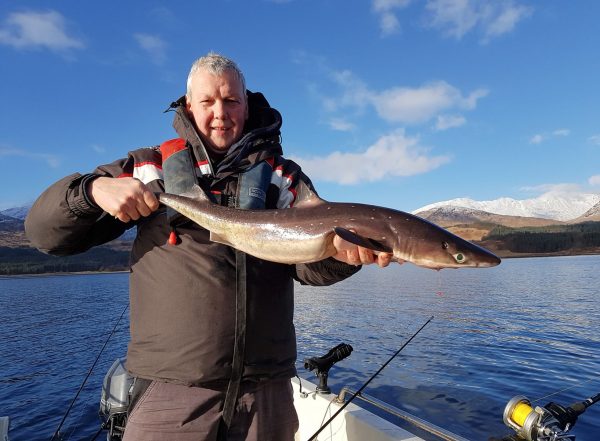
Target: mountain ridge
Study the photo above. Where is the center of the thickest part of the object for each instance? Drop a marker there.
(592, 215)
(553, 205)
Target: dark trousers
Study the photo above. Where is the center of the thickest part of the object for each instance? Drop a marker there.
(264, 411)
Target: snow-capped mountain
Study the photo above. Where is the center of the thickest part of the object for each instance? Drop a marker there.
(17, 212)
(593, 214)
(556, 206)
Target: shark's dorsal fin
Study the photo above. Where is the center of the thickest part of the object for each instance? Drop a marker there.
(305, 196)
(361, 241)
(196, 193)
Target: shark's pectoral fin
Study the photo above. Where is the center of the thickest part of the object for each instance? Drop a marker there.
(361, 241)
(214, 237)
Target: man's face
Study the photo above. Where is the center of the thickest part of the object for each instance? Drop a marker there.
(219, 108)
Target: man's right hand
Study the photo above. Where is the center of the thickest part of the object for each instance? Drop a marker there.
(126, 199)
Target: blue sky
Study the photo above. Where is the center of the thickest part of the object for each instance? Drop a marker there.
(399, 103)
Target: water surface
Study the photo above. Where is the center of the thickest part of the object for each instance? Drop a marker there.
(526, 327)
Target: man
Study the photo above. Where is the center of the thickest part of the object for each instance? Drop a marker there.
(212, 340)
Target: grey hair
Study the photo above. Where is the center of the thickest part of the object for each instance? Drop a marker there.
(216, 64)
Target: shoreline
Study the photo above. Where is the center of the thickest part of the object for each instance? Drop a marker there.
(503, 254)
(59, 273)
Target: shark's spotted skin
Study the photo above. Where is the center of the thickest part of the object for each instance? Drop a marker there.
(305, 233)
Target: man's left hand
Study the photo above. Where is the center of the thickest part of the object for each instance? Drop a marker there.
(354, 255)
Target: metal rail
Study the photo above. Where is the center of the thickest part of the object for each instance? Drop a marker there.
(414, 420)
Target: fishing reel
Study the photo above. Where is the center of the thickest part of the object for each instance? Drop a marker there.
(549, 423)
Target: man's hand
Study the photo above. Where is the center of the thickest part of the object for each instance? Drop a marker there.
(354, 255)
(126, 199)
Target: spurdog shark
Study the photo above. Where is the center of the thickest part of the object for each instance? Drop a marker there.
(305, 232)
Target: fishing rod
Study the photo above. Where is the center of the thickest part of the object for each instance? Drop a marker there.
(551, 422)
(56, 434)
(314, 436)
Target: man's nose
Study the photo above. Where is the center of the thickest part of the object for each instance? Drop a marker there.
(220, 110)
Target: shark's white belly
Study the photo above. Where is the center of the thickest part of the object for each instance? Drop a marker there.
(276, 244)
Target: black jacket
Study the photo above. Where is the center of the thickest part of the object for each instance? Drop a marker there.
(182, 297)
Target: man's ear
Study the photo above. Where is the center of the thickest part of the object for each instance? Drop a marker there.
(188, 109)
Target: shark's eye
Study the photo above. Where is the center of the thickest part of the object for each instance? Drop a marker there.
(459, 257)
(445, 245)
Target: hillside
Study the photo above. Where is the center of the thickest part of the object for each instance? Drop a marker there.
(18, 257)
(22, 260)
(581, 238)
(592, 215)
(519, 236)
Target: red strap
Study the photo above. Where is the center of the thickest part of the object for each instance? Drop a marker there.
(171, 147)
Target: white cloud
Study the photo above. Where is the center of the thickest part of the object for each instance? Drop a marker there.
(455, 18)
(445, 122)
(536, 139)
(561, 132)
(155, 46)
(355, 92)
(504, 19)
(388, 22)
(392, 155)
(30, 30)
(547, 189)
(341, 125)
(349, 97)
(594, 181)
(417, 105)
(51, 160)
(595, 139)
(401, 104)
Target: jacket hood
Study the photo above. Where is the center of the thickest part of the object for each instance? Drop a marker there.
(260, 139)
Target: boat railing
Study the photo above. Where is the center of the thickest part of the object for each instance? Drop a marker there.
(406, 416)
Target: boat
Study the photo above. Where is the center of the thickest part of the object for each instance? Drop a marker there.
(315, 404)
(356, 416)
(356, 422)
(349, 415)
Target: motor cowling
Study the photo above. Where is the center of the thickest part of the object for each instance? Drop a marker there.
(115, 398)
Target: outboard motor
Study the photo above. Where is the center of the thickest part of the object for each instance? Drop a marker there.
(114, 401)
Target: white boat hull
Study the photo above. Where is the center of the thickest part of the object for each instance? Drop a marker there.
(353, 424)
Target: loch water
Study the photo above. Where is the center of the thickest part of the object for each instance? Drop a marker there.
(527, 327)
